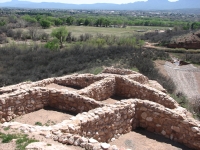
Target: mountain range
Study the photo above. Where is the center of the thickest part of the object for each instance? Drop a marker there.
(149, 5)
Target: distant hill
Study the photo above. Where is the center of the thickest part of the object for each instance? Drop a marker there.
(149, 5)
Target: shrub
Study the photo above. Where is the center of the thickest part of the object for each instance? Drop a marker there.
(38, 123)
(44, 37)
(3, 39)
(45, 23)
(52, 45)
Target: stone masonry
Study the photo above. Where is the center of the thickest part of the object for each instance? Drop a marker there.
(97, 123)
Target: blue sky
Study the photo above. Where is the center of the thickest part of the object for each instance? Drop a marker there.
(84, 1)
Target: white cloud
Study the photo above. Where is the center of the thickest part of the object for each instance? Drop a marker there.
(85, 1)
(173, 0)
(3, 1)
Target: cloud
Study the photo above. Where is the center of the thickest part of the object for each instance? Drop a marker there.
(173, 0)
(85, 1)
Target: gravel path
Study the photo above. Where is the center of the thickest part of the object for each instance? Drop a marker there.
(185, 78)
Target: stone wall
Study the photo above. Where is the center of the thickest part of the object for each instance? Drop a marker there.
(131, 89)
(71, 101)
(109, 122)
(22, 102)
(170, 123)
(100, 90)
(80, 81)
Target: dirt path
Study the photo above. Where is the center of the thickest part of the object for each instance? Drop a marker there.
(186, 78)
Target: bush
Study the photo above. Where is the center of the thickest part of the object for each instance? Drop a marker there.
(3, 39)
(10, 33)
(44, 37)
(45, 23)
(52, 45)
(39, 63)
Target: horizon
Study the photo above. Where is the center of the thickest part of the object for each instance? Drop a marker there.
(84, 1)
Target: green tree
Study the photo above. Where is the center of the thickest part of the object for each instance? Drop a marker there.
(2, 22)
(58, 22)
(29, 19)
(70, 20)
(45, 23)
(61, 34)
(87, 22)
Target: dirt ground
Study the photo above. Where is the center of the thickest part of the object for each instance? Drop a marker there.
(44, 116)
(141, 139)
(160, 65)
(59, 87)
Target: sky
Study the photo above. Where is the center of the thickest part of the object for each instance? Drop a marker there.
(84, 1)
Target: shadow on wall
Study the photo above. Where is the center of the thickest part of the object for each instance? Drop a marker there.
(159, 138)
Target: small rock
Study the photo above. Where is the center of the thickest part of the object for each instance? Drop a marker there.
(105, 146)
(195, 129)
(93, 140)
(149, 119)
(144, 115)
(163, 132)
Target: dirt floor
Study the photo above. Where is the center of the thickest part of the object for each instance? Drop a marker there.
(44, 116)
(59, 87)
(141, 139)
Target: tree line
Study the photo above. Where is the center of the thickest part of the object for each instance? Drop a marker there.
(47, 19)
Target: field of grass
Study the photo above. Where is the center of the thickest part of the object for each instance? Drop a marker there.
(128, 31)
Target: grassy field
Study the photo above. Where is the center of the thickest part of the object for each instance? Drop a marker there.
(128, 31)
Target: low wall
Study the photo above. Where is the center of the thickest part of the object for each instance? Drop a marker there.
(71, 101)
(76, 80)
(23, 102)
(169, 123)
(108, 122)
(131, 89)
(100, 90)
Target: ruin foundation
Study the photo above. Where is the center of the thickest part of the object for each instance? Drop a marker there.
(96, 123)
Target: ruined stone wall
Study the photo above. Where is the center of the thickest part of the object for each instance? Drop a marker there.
(100, 90)
(119, 71)
(131, 89)
(22, 102)
(71, 101)
(108, 122)
(102, 124)
(76, 80)
(153, 110)
(126, 73)
(169, 123)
